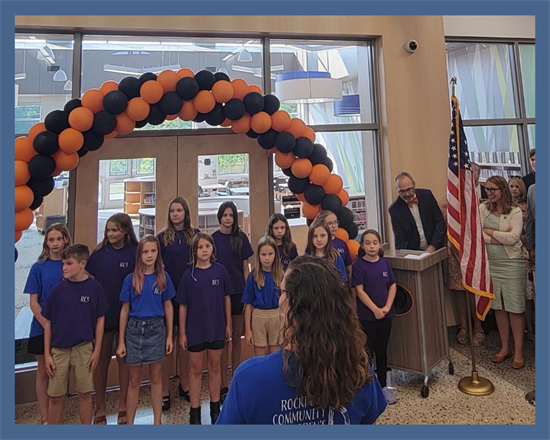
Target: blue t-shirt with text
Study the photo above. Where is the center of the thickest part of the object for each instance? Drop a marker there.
(343, 250)
(232, 261)
(287, 259)
(150, 303)
(266, 298)
(176, 256)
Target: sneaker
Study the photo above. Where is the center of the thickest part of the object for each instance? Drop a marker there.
(390, 397)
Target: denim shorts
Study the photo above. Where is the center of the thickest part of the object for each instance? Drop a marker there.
(145, 341)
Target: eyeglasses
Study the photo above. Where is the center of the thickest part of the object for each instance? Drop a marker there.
(333, 223)
(406, 190)
(491, 190)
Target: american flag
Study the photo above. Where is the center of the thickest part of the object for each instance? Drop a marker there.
(464, 228)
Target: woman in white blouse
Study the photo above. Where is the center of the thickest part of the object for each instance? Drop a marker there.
(502, 225)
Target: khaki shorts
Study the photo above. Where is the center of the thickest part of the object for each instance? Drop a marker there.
(65, 358)
(266, 325)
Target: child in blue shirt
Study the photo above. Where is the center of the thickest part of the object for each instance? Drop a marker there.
(75, 316)
(319, 244)
(144, 339)
(279, 230)
(43, 276)
(262, 319)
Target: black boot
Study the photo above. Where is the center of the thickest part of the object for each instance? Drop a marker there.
(214, 412)
(183, 393)
(195, 416)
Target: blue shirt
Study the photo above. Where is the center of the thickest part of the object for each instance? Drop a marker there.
(342, 248)
(287, 259)
(341, 267)
(42, 278)
(150, 303)
(259, 394)
(176, 256)
(266, 298)
(233, 261)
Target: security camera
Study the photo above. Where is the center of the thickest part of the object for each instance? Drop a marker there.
(411, 46)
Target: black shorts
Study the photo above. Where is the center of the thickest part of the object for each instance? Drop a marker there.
(36, 345)
(216, 345)
(236, 305)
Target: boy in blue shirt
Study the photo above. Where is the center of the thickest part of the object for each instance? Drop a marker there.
(75, 316)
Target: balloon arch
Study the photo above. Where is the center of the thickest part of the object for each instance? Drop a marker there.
(57, 144)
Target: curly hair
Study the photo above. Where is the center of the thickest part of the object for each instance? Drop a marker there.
(324, 356)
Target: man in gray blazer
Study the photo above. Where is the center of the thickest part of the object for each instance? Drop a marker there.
(530, 245)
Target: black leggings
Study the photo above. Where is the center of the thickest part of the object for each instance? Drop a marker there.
(378, 335)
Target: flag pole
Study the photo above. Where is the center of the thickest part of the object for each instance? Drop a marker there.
(473, 385)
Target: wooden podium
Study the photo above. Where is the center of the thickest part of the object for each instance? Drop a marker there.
(418, 341)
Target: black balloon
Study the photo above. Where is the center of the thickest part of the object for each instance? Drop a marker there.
(220, 76)
(140, 124)
(187, 88)
(130, 86)
(171, 103)
(41, 166)
(271, 104)
(156, 115)
(332, 203)
(352, 230)
(314, 194)
(92, 140)
(82, 152)
(253, 102)
(41, 187)
(345, 217)
(252, 134)
(115, 102)
(297, 186)
(36, 202)
(72, 104)
(234, 109)
(285, 142)
(329, 164)
(215, 116)
(287, 172)
(267, 140)
(57, 121)
(201, 117)
(147, 77)
(303, 148)
(206, 79)
(319, 154)
(104, 122)
(46, 143)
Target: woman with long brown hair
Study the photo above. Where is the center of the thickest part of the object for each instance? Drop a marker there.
(321, 375)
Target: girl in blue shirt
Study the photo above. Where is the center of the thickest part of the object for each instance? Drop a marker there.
(261, 298)
(144, 339)
(46, 273)
(279, 230)
(319, 244)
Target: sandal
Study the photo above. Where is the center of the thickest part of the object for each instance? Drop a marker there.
(100, 420)
(479, 337)
(122, 416)
(462, 336)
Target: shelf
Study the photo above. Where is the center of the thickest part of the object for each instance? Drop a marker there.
(496, 164)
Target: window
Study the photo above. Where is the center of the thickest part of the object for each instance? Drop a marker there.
(118, 167)
(144, 166)
(25, 117)
(232, 163)
(527, 60)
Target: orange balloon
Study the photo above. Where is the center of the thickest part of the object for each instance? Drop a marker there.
(241, 125)
(35, 129)
(182, 73)
(240, 88)
(81, 119)
(222, 91)
(301, 197)
(22, 173)
(124, 124)
(168, 80)
(71, 140)
(260, 122)
(151, 91)
(284, 160)
(138, 109)
(342, 234)
(254, 88)
(353, 248)
(296, 127)
(344, 196)
(319, 174)
(64, 161)
(334, 184)
(171, 117)
(310, 134)
(23, 219)
(23, 197)
(226, 123)
(18, 235)
(280, 120)
(204, 101)
(111, 135)
(301, 168)
(93, 99)
(108, 86)
(188, 112)
(23, 149)
(57, 171)
(310, 211)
